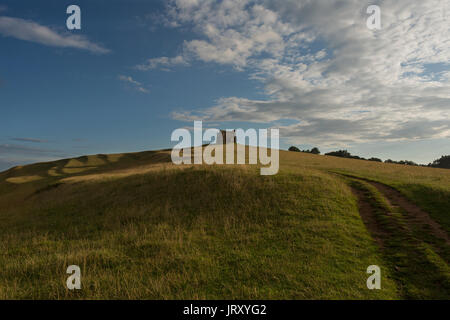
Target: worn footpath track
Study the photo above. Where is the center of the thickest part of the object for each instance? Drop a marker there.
(415, 248)
(415, 214)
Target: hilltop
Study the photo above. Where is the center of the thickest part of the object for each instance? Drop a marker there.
(141, 227)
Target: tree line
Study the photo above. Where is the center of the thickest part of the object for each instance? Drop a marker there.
(442, 162)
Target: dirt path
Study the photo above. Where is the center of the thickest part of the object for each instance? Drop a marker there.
(415, 214)
(368, 216)
(407, 238)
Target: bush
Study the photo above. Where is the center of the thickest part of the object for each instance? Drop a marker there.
(443, 162)
(314, 150)
(405, 162)
(340, 153)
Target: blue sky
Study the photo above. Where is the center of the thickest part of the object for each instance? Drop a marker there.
(137, 70)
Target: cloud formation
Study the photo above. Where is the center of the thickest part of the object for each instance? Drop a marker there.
(322, 67)
(34, 32)
(162, 63)
(15, 154)
(8, 149)
(29, 140)
(136, 84)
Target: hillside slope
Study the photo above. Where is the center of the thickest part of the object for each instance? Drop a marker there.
(140, 227)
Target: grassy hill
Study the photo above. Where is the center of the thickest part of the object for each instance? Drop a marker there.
(142, 228)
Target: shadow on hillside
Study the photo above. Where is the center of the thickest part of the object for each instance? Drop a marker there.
(99, 163)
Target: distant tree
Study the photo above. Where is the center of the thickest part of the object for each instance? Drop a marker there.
(314, 150)
(442, 162)
(407, 162)
(404, 162)
(340, 153)
(346, 154)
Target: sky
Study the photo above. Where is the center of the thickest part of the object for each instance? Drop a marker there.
(137, 70)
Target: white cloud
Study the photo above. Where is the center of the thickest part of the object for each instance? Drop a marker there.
(34, 32)
(163, 63)
(233, 31)
(136, 84)
(321, 66)
(35, 140)
(129, 80)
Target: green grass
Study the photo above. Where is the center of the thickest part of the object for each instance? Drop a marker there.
(429, 188)
(417, 261)
(141, 228)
